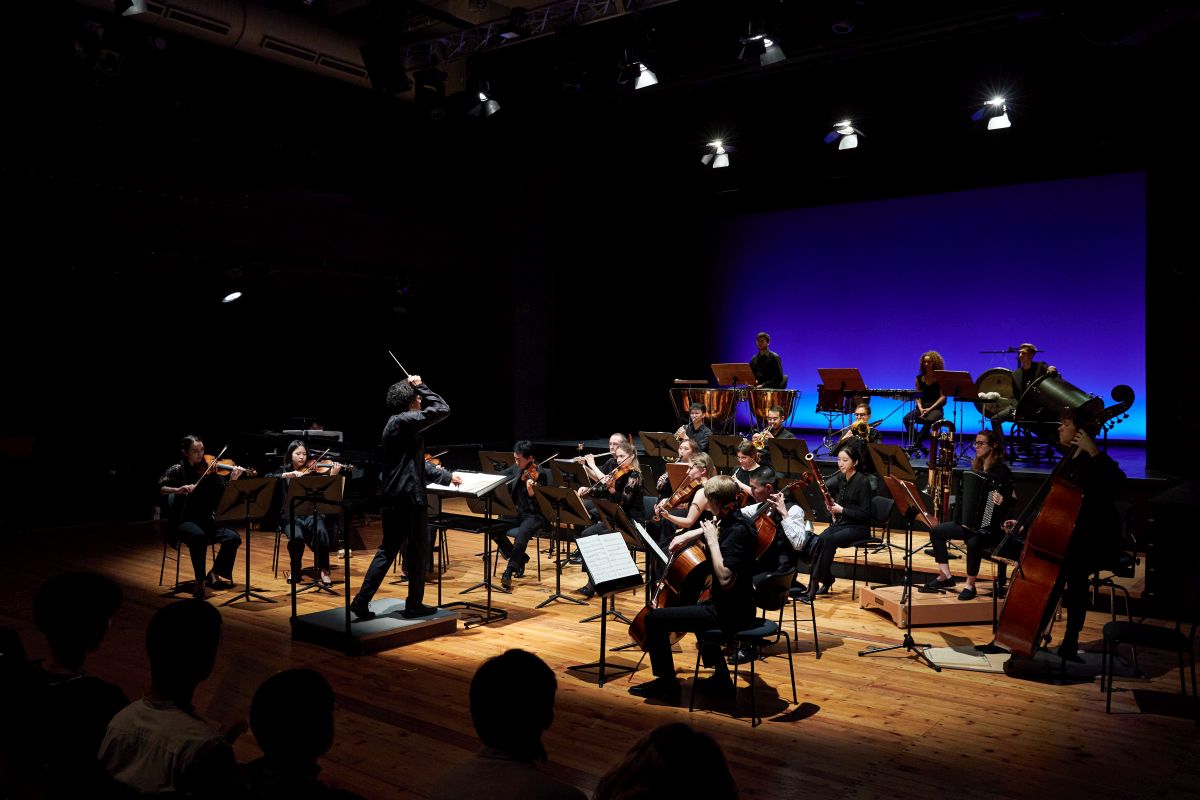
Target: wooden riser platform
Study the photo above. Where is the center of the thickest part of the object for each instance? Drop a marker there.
(939, 608)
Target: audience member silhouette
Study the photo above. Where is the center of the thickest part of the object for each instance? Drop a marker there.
(291, 717)
(503, 769)
(158, 743)
(73, 709)
(671, 761)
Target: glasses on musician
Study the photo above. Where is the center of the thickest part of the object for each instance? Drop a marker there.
(982, 443)
(861, 414)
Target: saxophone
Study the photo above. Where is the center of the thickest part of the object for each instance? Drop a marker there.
(942, 459)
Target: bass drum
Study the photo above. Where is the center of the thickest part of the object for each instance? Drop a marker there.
(1050, 395)
(1000, 381)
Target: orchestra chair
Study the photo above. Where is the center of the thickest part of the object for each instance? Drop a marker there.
(798, 595)
(783, 383)
(1158, 637)
(536, 544)
(770, 595)
(166, 506)
(1125, 565)
(881, 513)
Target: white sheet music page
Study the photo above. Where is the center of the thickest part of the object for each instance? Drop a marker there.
(607, 557)
(650, 543)
(476, 484)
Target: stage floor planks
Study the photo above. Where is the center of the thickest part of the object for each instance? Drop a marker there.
(865, 727)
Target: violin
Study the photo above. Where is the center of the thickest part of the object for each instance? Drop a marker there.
(683, 493)
(225, 466)
(530, 473)
(437, 462)
(326, 467)
(611, 478)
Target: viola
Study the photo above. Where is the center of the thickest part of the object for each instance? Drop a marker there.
(682, 494)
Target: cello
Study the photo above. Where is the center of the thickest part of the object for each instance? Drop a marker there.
(1048, 524)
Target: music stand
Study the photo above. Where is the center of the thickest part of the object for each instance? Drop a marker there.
(785, 452)
(246, 499)
(845, 380)
(660, 444)
(477, 485)
(734, 374)
(910, 505)
(568, 474)
(611, 569)
(723, 450)
(614, 516)
(312, 494)
(959, 385)
(890, 459)
(493, 462)
(564, 507)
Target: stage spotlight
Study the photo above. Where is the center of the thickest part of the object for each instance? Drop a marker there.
(645, 77)
(717, 155)
(763, 46)
(231, 297)
(486, 106)
(996, 113)
(845, 134)
(129, 8)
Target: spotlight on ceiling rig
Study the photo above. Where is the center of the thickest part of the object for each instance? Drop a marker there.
(845, 134)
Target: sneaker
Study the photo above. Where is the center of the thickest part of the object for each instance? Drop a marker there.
(967, 594)
(417, 610)
(666, 689)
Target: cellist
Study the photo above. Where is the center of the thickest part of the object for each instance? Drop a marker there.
(1096, 539)
(730, 542)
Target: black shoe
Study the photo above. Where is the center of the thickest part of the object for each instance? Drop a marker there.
(658, 689)
(198, 592)
(740, 656)
(940, 583)
(362, 610)
(417, 610)
(823, 588)
(588, 591)
(967, 594)
(506, 578)
(576, 558)
(214, 581)
(1069, 650)
(519, 572)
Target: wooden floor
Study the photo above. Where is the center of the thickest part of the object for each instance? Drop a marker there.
(883, 726)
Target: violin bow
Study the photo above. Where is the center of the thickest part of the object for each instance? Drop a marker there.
(209, 468)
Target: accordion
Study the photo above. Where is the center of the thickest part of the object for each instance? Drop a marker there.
(977, 508)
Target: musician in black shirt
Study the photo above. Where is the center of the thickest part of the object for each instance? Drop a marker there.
(930, 404)
(404, 508)
(625, 489)
(989, 461)
(696, 429)
(730, 542)
(1026, 373)
(851, 493)
(529, 519)
(748, 457)
(192, 493)
(766, 365)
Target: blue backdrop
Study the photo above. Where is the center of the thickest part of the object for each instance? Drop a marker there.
(873, 285)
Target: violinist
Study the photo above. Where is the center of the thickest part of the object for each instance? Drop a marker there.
(766, 365)
(989, 460)
(405, 527)
(696, 430)
(730, 542)
(748, 460)
(523, 476)
(193, 489)
(702, 467)
(609, 464)
(623, 486)
(930, 405)
(314, 530)
(1096, 540)
(849, 504)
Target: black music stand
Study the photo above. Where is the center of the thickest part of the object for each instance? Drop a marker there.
(890, 459)
(785, 453)
(315, 495)
(612, 515)
(842, 382)
(487, 490)
(908, 502)
(568, 474)
(611, 569)
(246, 499)
(660, 444)
(493, 462)
(564, 507)
(723, 450)
(959, 385)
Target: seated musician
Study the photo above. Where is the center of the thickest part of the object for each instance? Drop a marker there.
(774, 430)
(1096, 540)
(315, 530)
(687, 449)
(595, 472)
(989, 460)
(766, 365)
(529, 519)
(749, 458)
(686, 515)
(849, 504)
(860, 430)
(1026, 373)
(931, 403)
(696, 429)
(792, 533)
(623, 486)
(730, 543)
(192, 513)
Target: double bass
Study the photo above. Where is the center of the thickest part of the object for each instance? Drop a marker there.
(1048, 524)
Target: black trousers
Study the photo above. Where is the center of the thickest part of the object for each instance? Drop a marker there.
(313, 532)
(912, 418)
(198, 535)
(976, 542)
(660, 623)
(522, 529)
(405, 528)
(840, 534)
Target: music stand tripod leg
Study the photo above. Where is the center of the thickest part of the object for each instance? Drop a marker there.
(558, 566)
(602, 666)
(908, 643)
(247, 593)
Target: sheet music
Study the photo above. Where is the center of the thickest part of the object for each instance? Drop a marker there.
(607, 557)
(474, 484)
(650, 543)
